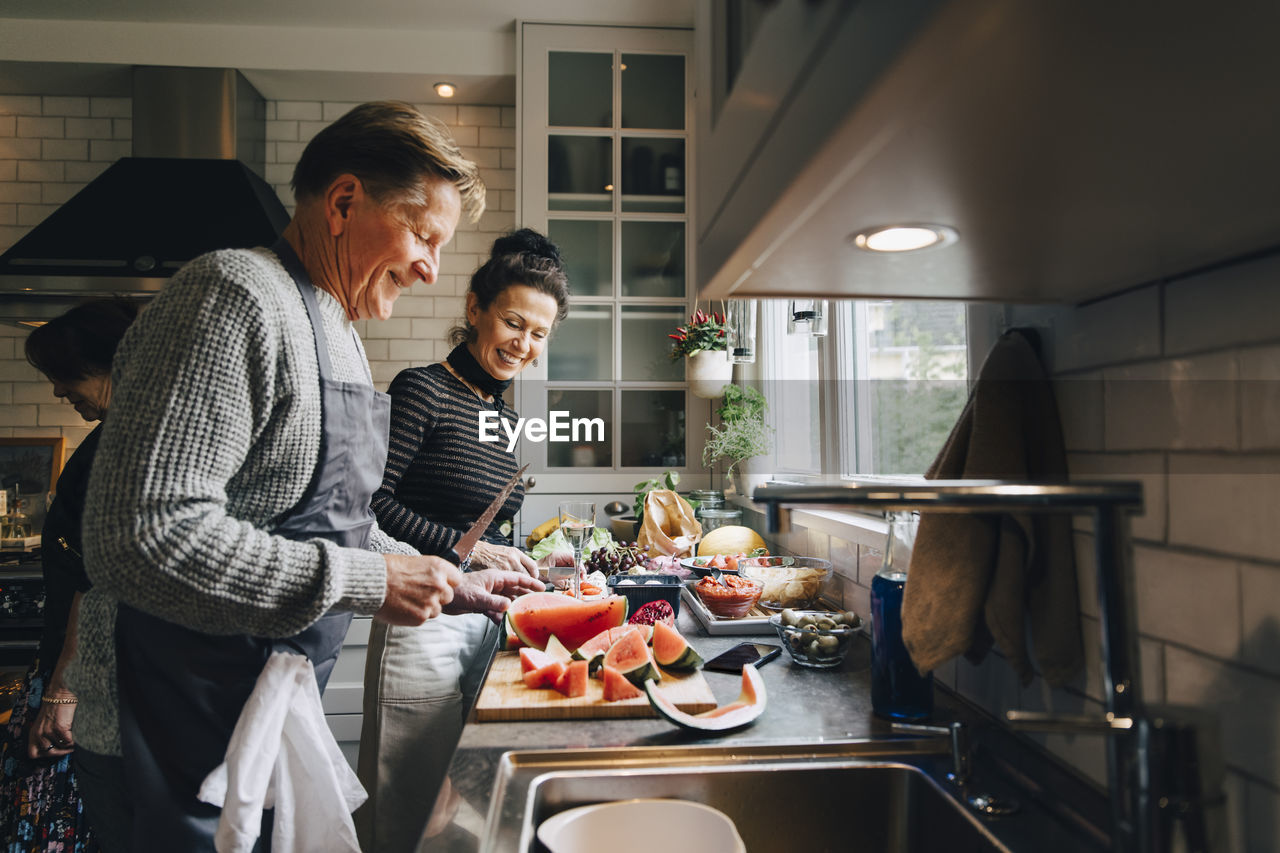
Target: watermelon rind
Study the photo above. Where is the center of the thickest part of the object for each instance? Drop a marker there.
(671, 650)
(743, 711)
(507, 639)
(630, 656)
(556, 649)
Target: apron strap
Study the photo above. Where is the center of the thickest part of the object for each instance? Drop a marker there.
(293, 264)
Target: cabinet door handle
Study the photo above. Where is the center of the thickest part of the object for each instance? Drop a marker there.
(529, 483)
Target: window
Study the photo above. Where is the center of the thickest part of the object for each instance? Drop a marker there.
(878, 395)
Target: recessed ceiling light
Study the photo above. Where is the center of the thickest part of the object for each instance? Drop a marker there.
(904, 238)
(446, 90)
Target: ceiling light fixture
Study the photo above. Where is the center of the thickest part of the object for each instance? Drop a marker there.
(904, 238)
(445, 90)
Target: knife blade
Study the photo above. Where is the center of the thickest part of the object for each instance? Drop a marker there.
(462, 550)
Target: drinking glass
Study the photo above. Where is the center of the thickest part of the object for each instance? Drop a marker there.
(577, 520)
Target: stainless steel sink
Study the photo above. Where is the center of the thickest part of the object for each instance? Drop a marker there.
(866, 796)
(782, 808)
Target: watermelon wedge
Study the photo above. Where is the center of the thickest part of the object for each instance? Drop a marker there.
(557, 651)
(671, 650)
(600, 643)
(630, 656)
(617, 688)
(573, 683)
(544, 676)
(539, 615)
(743, 711)
(531, 659)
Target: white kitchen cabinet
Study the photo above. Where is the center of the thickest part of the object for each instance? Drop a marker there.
(344, 694)
(605, 127)
(1077, 148)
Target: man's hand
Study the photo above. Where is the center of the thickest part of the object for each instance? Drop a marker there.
(418, 589)
(503, 557)
(490, 591)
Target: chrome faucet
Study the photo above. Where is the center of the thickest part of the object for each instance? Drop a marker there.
(1164, 769)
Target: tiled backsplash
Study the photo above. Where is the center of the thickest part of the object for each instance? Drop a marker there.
(50, 147)
(1174, 385)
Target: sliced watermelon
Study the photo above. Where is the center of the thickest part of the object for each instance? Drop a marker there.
(537, 616)
(531, 659)
(544, 676)
(743, 711)
(671, 650)
(557, 651)
(630, 656)
(573, 683)
(601, 642)
(617, 688)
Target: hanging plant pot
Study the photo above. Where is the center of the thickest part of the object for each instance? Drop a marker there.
(708, 372)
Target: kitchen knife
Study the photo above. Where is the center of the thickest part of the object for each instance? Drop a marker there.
(469, 539)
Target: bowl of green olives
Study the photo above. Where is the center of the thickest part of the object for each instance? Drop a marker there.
(816, 638)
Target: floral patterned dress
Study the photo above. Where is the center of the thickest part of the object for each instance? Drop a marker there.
(40, 808)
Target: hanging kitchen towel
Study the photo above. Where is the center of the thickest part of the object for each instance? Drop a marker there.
(979, 579)
(283, 756)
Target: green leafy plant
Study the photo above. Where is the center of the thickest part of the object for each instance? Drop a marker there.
(665, 480)
(742, 432)
(704, 331)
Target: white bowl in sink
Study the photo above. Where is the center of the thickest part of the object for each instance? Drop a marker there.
(628, 826)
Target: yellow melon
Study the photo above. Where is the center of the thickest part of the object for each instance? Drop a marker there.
(733, 539)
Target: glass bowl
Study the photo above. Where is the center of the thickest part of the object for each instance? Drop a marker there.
(732, 597)
(789, 582)
(816, 638)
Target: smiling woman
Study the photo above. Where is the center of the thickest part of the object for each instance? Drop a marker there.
(440, 475)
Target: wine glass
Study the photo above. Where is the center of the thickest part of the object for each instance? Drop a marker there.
(577, 520)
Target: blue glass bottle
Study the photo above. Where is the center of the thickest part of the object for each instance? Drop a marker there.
(898, 690)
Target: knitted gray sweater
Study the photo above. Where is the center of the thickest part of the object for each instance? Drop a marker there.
(214, 433)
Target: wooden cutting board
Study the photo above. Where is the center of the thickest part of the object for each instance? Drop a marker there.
(504, 697)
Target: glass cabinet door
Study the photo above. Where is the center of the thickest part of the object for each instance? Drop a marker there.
(605, 120)
(579, 89)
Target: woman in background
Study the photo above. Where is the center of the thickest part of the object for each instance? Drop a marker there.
(39, 794)
(420, 682)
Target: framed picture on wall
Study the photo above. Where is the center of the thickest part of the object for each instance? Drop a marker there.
(31, 464)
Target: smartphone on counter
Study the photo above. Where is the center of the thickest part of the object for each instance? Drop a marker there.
(756, 654)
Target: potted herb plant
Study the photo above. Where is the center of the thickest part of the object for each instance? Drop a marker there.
(703, 343)
(742, 432)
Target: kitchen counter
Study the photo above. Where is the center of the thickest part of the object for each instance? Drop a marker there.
(805, 707)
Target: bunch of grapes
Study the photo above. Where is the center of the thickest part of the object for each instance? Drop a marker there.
(621, 559)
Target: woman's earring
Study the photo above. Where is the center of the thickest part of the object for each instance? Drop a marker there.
(535, 362)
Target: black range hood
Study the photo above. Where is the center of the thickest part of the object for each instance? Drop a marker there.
(194, 185)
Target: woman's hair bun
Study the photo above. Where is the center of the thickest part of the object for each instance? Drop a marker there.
(528, 241)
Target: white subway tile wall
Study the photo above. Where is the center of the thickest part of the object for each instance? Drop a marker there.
(50, 147)
(1176, 385)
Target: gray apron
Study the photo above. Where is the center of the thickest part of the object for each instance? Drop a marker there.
(181, 691)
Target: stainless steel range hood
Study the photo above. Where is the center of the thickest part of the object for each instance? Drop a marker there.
(193, 185)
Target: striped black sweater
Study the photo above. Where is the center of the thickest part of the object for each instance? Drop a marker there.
(439, 475)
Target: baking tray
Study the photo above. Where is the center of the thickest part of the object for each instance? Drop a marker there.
(755, 622)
